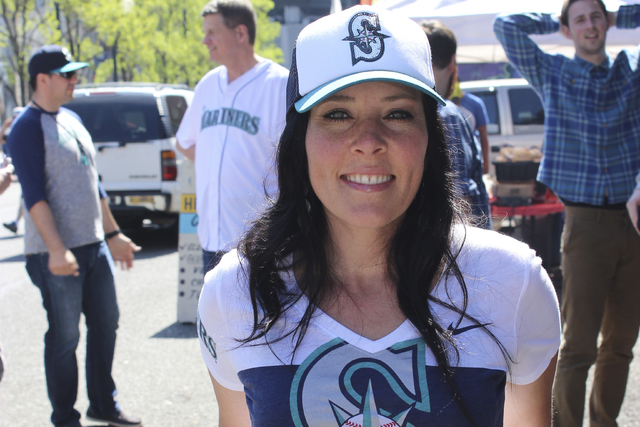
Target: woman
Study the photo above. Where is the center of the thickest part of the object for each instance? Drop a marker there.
(359, 298)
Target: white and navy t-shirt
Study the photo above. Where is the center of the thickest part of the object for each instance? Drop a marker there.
(235, 128)
(339, 378)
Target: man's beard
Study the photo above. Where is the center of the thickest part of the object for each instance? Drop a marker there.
(452, 80)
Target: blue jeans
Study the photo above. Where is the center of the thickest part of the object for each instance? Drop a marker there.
(64, 298)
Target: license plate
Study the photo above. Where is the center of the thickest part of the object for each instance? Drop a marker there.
(139, 200)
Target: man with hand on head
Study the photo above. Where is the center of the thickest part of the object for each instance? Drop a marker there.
(70, 239)
(231, 128)
(591, 158)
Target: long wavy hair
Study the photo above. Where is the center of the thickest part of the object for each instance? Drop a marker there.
(293, 234)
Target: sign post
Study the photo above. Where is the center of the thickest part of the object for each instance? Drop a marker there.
(190, 269)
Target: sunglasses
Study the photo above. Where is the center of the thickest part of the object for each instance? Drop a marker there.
(66, 75)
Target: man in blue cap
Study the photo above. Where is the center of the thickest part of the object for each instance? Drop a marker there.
(71, 240)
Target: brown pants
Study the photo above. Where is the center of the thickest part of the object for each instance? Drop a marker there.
(601, 294)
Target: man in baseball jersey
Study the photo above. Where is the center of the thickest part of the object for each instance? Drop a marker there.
(232, 127)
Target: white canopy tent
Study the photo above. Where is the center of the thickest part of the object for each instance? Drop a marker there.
(472, 23)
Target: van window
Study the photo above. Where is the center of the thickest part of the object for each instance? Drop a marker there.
(121, 118)
(526, 110)
(177, 107)
(491, 103)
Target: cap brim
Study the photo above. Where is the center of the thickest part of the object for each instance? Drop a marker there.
(71, 66)
(317, 95)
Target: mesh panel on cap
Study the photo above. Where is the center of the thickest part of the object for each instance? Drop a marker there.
(293, 91)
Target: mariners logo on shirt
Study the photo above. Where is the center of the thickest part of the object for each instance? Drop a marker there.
(367, 43)
(400, 392)
(230, 117)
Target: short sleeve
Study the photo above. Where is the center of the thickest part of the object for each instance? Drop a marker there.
(216, 342)
(189, 126)
(479, 110)
(537, 326)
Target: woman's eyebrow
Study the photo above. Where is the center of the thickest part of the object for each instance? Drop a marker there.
(391, 98)
(339, 98)
(410, 97)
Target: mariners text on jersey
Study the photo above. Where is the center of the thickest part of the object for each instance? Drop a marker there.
(231, 117)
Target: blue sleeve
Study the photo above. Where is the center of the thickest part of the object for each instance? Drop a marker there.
(101, 191)
(512, 31)
(26, 145)
(628, 17)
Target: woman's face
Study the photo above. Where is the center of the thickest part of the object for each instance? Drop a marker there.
(366, 147)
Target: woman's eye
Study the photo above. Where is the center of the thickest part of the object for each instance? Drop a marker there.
(400, 115)
(336, 116)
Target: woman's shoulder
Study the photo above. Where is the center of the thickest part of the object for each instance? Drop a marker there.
(494, 257)
(229, 279)
(477, 242)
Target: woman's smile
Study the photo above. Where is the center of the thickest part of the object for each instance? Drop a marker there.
(368, 179)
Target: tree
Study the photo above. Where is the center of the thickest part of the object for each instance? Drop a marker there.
(91, 28)
(148, 40)
(267, 32)
(25, 23)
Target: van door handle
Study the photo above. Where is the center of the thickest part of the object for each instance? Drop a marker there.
(102, 145)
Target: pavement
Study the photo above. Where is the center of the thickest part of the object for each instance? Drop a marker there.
(157, 368)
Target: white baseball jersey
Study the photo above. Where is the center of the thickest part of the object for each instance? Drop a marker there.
(339, 378)
(235, 128)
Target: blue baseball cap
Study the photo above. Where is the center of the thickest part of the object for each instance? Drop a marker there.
(52, 59)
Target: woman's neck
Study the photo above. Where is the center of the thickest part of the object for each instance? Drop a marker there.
(359, 258)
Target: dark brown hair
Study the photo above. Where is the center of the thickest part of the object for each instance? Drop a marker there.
(564, 15)
(443, 43)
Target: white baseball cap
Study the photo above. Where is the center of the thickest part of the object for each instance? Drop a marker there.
(357, 45)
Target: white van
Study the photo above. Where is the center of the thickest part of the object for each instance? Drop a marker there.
(133, 126)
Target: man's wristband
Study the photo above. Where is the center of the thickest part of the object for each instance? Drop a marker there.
(114, 233)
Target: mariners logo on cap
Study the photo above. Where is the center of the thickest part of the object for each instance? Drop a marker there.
(367, 43)
(67, 54)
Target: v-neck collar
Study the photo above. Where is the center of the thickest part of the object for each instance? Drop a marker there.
(223, 77)
(338, 330)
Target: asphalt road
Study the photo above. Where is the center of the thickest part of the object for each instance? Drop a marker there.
(158, 370)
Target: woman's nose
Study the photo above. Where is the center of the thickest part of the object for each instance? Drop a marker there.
(369, 137)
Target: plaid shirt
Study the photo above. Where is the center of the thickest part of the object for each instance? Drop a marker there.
(592, 113)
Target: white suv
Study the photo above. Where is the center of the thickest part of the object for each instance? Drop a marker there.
(133, 126)
(516, 114)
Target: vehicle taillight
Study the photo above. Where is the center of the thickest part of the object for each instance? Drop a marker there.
(169, 168)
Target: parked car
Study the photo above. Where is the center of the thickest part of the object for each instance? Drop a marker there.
(133, 126)
(516, 114)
